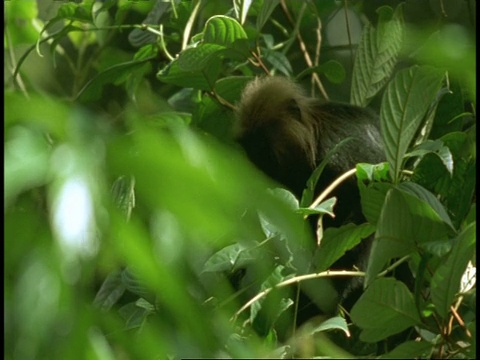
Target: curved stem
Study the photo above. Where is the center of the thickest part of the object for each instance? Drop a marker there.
(296, 279)
(332, 186)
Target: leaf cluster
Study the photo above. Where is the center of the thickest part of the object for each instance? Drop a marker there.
(135, 228)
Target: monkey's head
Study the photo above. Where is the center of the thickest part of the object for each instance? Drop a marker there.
(275, 127)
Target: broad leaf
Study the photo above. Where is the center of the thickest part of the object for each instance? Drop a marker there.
(336, 242)
(446, 280)
(404, 105)
(386, 308)
(377, 55)
(405, 222)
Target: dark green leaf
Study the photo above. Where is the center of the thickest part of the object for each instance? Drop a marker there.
(404, 222)
(265, 12)
(336, 242)
(203, 80)
(435, 147)
(446, 280)
(230, 88)
(334, 323)
(372, 197)
(110, 291)
(116, 73)
(333, 70)
(80, 12)
(425, 195)
(279, 61)
(214, 118)
(410, 350)
(198, 58)
(386, 308)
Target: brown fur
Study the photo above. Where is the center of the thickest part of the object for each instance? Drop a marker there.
(275, 102)
(286, 134)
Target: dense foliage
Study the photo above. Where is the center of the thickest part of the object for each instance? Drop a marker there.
(136, 228)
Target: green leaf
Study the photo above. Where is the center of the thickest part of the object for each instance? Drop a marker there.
(214, 118)
(169, 119)
(123, 194)
(377, 55)
(410, 350)
(265, 12)
(372, 193)
(278, 60)
(227, 32)
(80, 12)
(115, 74)
(273, 279)
(437, 148)
(455, 191)
(48, 114)
(198, 58)
(111, 290)
(20, 18)
(133, 284)
(230, 87)
(405, 222)
(146, 52)
(333, 70)
(286, 197)
(372, 198)
(202, 80)
(425, 195)
(446, 280)
(26, 162)
(337, 241)
(334, 323)
(372, 172)
(133, 315)
(228, 259)
(27, 9)
(404, 105)
(384, 309)
(451, 48)
(243, 11)
(325, 207)
(223, 30)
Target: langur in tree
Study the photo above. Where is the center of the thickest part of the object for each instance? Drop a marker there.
(287, 134)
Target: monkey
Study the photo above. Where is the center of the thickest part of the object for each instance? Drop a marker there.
(286, 135)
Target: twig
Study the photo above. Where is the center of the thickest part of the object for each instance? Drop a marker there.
(303, 48)
(332, 186)
(296, 279)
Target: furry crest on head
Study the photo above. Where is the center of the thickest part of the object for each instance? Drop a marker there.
(281, 106)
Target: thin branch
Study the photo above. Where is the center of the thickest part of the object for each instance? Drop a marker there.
(222, 101)
(347, 22)
(11, 53)
(303, 48)
(332, 187)
(189, 25)
(296, 279)
(259, 62)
